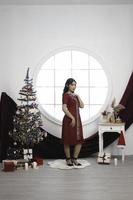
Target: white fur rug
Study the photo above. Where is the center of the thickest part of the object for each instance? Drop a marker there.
(61, 164)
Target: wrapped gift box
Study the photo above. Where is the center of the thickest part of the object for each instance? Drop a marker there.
(38, 160)
(11, 165)
(21, 163)
(104, 158)
(28, 154)
(8, 165)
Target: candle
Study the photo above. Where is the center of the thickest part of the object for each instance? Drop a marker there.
(115, 161)
(34, 165)
(26, 166)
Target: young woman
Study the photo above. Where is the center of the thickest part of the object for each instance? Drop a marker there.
(72, 133)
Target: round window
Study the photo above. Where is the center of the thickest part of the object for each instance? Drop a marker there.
(92, 83)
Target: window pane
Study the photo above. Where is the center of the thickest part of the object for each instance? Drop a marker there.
(54, 110)
(63, 60)
(81, 77)
(45, 78)
(83, 93)
(98, 78)
(61, 77)
(45, 95)
(98, 95)
(79, 60)
(94, 109)
(58, 112)
(49, 64)
(49, 109)
(58, 95)
(85, 113)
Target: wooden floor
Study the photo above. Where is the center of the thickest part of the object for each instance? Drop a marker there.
(95, 182)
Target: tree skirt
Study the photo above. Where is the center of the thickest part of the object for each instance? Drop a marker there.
(61, 164)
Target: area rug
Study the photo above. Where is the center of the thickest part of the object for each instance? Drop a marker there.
(61, 164)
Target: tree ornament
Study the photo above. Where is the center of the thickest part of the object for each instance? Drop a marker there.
(27, 120)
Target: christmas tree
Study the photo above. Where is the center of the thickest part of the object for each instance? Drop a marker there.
(27, 120)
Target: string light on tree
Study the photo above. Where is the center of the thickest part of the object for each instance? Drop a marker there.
(27, 120)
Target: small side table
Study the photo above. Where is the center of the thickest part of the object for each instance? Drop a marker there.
(110, 127)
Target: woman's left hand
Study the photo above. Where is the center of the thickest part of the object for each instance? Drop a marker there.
(76, 95)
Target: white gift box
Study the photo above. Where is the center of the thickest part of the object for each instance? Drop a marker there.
(104, 158)
(28, 154)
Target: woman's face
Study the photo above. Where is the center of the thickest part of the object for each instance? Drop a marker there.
(72, 86)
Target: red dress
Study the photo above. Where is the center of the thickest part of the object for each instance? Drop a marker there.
(72, 135)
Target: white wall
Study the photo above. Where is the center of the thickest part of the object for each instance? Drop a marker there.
(28, 33)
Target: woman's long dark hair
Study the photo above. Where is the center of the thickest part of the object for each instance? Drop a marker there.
(68, 82)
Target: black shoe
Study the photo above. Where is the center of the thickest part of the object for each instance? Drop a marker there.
(69, 162)
(75, 162)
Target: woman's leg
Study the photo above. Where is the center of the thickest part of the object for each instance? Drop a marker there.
(67, 150)
(67, 153)
(77, 149)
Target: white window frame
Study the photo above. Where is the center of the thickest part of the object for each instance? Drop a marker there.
(93, 120)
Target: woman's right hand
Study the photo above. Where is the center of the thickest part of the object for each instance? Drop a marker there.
(73, 122)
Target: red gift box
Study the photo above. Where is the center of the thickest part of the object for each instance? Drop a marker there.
(8, 166)
(38, 160)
